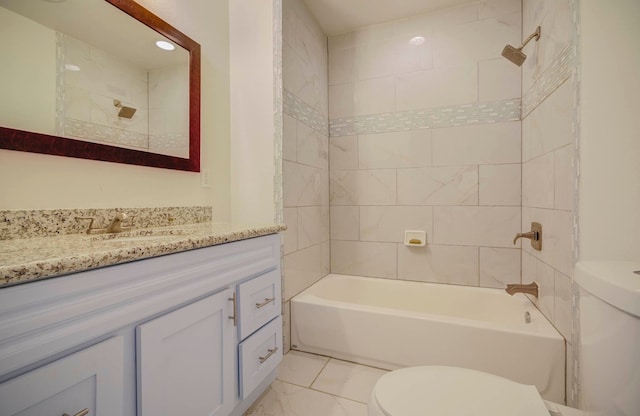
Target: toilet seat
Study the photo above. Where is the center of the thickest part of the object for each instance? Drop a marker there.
(436, 390)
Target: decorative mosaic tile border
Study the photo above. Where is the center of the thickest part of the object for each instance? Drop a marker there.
(102, 134)
(44, 223)
(278, 186)
(458, 115)
(558, 72)
(303, 112)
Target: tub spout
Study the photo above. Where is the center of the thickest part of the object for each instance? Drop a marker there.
(530, 289)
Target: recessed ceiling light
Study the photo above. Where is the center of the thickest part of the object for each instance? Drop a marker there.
(72, 67)
(162, 44)
(418, 40)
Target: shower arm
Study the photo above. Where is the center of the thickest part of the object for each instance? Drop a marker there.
(535, 34)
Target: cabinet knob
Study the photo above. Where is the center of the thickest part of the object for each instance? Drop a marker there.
(83, 412)
(265, 303)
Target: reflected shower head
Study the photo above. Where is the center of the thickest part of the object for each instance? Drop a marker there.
(125, 112)
(516, 55)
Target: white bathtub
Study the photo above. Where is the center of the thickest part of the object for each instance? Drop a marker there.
(392, 324)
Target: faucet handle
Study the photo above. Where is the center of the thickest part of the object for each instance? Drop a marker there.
(535, 235)
(91, 220)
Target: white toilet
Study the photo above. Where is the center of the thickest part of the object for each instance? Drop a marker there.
(609, 373)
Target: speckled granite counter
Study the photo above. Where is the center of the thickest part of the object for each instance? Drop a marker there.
(30, 259)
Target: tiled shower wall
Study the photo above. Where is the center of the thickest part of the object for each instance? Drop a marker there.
(548, 160)
(305, 152)
(428, 137)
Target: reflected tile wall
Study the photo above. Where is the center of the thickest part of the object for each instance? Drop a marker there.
(427, 137)
(305, 150)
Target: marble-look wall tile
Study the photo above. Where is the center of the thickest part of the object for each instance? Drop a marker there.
(326, 258)
(437, 87)
(342, 66)
(565, 178)
(313, 225)
(478, 226)
(364, 258)
(289, 138)
(374, 96)
(341, 101)
(499, 266)
(563, 308)
(545, 277)
(439, 264)
(312, 147)
(303, 185)
(363, 187)
(301, 269)
(343, 153)
(475, 41)
(472, 145)
(345, 222)
(395, 150)
(438, 186)
(291, 234)
(500, 184)
(555, 17)
(388, 223)
(499, 79)
(549, 126)
(557, 237)
(538, 178)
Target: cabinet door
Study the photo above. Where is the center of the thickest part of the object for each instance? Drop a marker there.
(89, 379)
(186, 360)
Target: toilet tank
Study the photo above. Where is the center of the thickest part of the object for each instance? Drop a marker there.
(609, 346)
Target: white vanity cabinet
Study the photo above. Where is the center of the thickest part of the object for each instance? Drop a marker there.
(190, 351)
(86, 382)
(163, 336)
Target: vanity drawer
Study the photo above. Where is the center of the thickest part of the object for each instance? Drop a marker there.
(259, 301)
(259, 355)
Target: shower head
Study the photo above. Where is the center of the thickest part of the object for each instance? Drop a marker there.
(125, 112)
(516, 55)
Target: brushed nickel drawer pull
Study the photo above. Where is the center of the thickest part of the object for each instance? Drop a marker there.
(83, 412)
(270, 352)
(265, 303)
(235, 315)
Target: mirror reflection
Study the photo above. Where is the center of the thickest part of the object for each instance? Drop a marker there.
(82, 69)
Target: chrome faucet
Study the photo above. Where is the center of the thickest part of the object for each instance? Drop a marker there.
(115, 226)
(530, 289)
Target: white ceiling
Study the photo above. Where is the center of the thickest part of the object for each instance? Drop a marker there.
(341, 16)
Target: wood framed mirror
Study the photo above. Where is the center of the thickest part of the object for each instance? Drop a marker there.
(105, 131)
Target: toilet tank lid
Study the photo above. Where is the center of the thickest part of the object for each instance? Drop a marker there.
(612, 281)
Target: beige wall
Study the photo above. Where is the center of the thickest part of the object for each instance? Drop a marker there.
(609, 204)
(34, 181)
(252, 109)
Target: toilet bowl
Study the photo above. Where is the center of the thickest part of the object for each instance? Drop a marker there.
(435, 390)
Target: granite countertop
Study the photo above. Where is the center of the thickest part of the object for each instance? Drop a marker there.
(30, 259)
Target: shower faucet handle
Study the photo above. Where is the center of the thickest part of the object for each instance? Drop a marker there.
(535, 235)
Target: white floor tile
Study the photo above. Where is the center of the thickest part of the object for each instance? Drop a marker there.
(348, 380)
(300, 368)
(284, 399)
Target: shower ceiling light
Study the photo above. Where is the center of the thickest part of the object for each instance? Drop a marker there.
(416, 41)
(162, 44)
